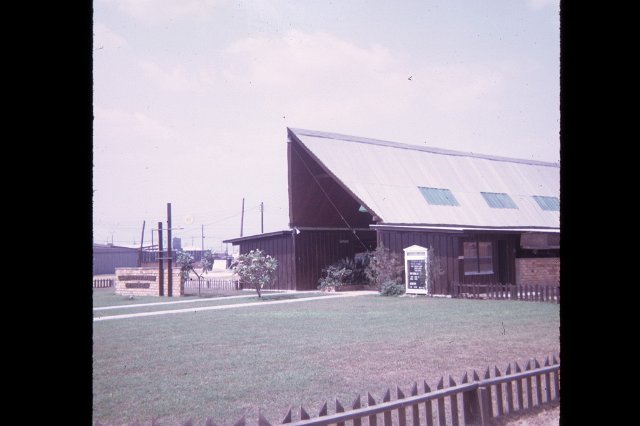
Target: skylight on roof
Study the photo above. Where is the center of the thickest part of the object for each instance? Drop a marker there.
(499, 200)
(548, 203)
(438, 196)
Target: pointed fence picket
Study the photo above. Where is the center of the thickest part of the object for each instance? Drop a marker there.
(103, 282)
(210, 285)
(523, 292)
(472, 402)
(482, 400)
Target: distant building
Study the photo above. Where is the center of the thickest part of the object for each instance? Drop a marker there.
(107, 257)
(488, 219)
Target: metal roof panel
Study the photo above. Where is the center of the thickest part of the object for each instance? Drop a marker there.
(386, 176)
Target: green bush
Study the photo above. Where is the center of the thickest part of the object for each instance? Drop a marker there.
(384, 266)
(391, 288)
(336, 275)
(357, 268)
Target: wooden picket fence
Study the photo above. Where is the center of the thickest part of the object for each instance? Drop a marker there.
(206, 286)
(475, 401)
(530, 293)
(103, 282)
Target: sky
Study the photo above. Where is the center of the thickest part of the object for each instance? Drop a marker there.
(192, 98)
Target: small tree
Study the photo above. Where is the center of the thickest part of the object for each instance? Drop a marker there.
(256, 269)
(384, 267)
(185, 261)
(207, 261)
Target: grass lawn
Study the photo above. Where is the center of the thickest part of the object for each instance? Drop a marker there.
(123, 305)
(226, 364)
(107, 297)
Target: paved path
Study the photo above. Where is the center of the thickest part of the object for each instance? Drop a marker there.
(220, 307)
(209, 299)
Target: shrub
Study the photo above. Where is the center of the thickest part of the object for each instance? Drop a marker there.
(185, 262)
(336, 275)
(391, 288)
(384, 266)
(435, 269)
(357, 267)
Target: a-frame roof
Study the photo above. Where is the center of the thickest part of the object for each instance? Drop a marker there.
(387, 177)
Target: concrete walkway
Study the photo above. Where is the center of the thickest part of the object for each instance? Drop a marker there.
(220, 307)
(208, 299)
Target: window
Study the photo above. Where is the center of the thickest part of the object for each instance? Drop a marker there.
(548, 203)
(438, 196)
(478, 257)
(498, 200)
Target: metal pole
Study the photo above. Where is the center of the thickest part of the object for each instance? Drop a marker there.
(241, 219)
(261, 217)
(202, 236)
(169, 254)
(141, 244)
(160, 255)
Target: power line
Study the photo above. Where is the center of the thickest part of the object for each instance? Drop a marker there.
(329, 199)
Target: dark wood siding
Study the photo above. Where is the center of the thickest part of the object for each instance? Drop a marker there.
(316, 199)
(448, 247)
(280, 247)
(445, 246)
(316, 250)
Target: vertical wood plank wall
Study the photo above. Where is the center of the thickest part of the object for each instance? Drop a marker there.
(448, 247)
(280, 247)
(316, 250)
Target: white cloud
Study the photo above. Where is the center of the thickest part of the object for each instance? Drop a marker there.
(327, 76)
(105, 38)
(539, 4)
(115, 127)
(179, 79)
(165, 10)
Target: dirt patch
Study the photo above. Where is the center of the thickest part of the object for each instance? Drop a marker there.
(547, 416)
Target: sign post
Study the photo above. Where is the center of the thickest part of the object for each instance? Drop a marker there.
(416, 270)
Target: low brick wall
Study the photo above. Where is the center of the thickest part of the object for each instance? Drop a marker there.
(146, 282)
(541, 270)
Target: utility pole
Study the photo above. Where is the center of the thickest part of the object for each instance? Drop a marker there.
(261, 217)
(241, 220)
(202, 235)
(160, 255)
(141, 243)
(170, 253)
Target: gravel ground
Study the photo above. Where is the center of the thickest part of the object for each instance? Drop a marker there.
(549, 416)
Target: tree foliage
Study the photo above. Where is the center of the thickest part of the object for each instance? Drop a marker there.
(186, 262)
(207, 261)
(256, 269)
(384, 267)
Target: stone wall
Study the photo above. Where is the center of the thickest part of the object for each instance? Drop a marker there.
(145, 282)
(538, 270)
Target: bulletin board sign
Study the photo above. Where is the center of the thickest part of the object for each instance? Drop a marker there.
(416, 270)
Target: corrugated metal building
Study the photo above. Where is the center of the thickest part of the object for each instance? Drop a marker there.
(479, 213)
(106, 258)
